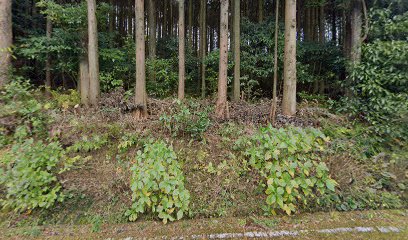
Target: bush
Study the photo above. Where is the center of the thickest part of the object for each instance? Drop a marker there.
(28, 171)
(362, 199)
(21, 115)
(165, 77)
(187, 118)
(157, 184)
(370, 174)
(380, 81)
(381, 92)
(290, 164)
(66, 100)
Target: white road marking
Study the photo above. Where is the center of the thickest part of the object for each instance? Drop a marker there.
(282, 233)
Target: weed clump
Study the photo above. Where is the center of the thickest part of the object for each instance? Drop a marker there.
(187, 118)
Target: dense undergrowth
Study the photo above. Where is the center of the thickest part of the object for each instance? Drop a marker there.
(184, 163)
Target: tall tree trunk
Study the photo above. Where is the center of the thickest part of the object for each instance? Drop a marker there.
(356, 29)
(221, 110)
(171, 27)
(322, 40)
(346, 35)
(322, 19)
(84, 80)
(120, 18)
(334, 27)
(48, 60)
(308, 24)
(275, 66)
(314, 25)
(152, 29)
(203, 43)
(196, 44)
(237, 49)
(190, 24)
(112, 16)
(182, 67)
(152, 36)
(6, 39)
(129, 20)
(140, 90)
(165, 18)
(248, 9)
(260, 10)
(231, 29)
(212, 35)
(93, 58)
(289, 73)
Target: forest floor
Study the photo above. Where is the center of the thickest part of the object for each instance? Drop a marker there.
(385, 224)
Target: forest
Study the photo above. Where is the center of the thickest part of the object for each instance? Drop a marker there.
(255, 112)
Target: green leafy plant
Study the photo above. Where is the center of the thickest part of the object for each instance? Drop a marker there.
(96, 223)
(28, 172)
(66, 100)
(379, 83)
(87, 145)
(162, 70)
(109, 82)
(22, 115)
(289, 162)
(187, 118)
(157, 184)
(127, 141)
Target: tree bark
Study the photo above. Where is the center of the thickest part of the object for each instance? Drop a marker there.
(289, 73)
(308, 24)
(6, 39)
(182, 67)
(129, 20)
(140, 112)
(346, 35)
(203, 44)
(237, 49)
(84, 80)
(356, 30)
(221, 110)
(48, 60)
(190, 24)
(165, 18)
(260, 11)
(112, 16)
(275, 67)
(322, 19)
(152, 29)
(171, 27)
(151, 21)
(334, 27)
(93, 58)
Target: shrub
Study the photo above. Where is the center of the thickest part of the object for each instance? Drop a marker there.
(289, 162)
(370, 175)
(166, 78)
(380, 82)
(361, 199)
(66, 100)
(157, 184)
(187, 118)
(28, 171)
(21, 115)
